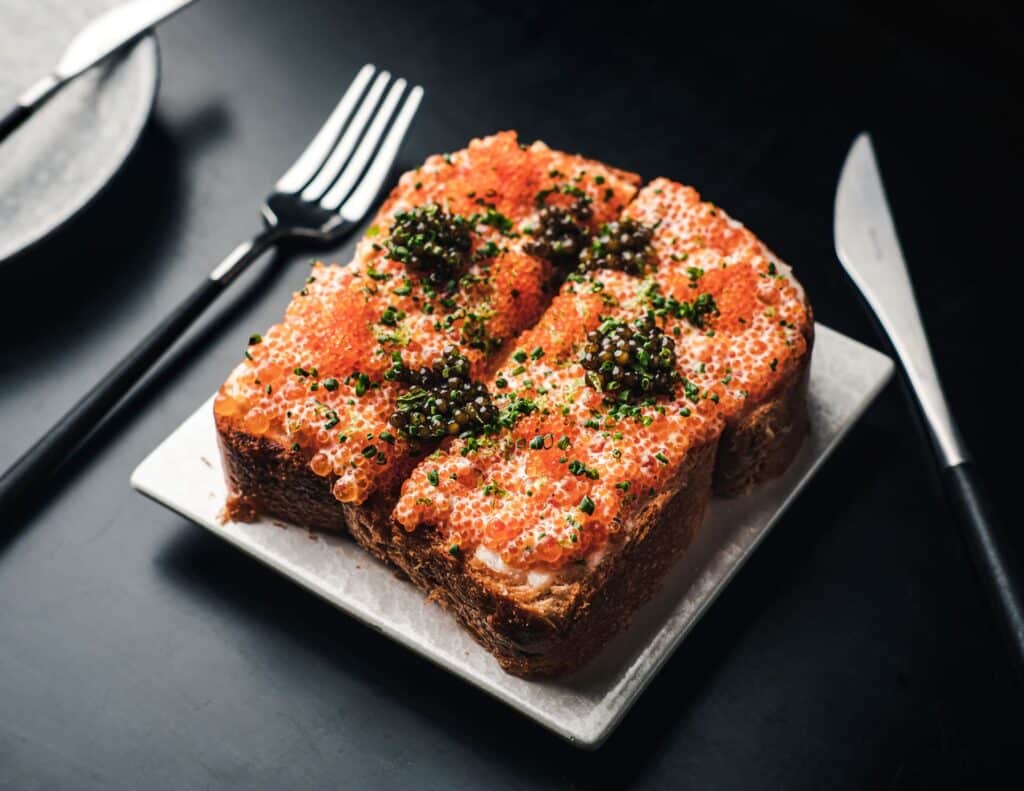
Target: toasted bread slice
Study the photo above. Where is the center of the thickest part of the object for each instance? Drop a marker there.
(763, 339)
(525, 539)
(311, 394)
(543, 538)
(550, 621)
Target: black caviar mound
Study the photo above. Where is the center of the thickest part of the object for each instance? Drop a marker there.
(430, 240)
(621, 244)
(630, 361)
(562, 233)
(442, 399)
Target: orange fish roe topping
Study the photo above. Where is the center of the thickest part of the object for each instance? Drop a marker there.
(552, 485)
(315, 382)
(568, 470)
(499, 173)
(762, 327)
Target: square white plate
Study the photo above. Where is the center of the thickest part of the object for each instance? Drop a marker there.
(184, 473)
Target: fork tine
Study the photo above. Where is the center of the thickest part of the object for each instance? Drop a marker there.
(306, 166)
(360, 201)
(354, 169)
(330, 169)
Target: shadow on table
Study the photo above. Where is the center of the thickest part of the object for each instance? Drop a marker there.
(203, 566)
(97, 254)
(103, 261)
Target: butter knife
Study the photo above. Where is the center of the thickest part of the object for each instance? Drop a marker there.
(104, 35)
(869, 250)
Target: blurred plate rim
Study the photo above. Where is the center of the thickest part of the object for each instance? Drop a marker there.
(143, 55)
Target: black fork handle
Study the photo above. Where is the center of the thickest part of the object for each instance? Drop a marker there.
(39, 463)
(13, 119)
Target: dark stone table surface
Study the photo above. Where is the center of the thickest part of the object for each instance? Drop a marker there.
(138, 651)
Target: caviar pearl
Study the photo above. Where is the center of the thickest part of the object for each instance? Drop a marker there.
(345, 491)
(256, 422)
(225, 406)
(320, 464)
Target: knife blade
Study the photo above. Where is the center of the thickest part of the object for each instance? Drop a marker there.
(869, 250)
(102, 36)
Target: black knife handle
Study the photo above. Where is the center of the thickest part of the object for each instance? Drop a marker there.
(14, 118)
(994, 559)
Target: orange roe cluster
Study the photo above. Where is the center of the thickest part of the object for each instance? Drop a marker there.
(315, 382)
(761, 331)
(567, 471)
(501, 174)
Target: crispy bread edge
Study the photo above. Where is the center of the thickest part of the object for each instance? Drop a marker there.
(762, 443)
(530, 636)
(559, 631)
(264, 477)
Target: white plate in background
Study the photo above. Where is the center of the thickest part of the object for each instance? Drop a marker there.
(63, 156)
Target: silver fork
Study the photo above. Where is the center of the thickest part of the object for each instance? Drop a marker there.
(320, 199)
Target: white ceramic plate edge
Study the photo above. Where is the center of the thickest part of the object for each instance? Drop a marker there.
(539, 700)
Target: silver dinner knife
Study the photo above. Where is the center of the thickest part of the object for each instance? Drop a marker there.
(104, 35)
(869, 250)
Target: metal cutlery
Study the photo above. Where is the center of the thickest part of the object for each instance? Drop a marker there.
(320, 199)
(869, 250)
(97, 40)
